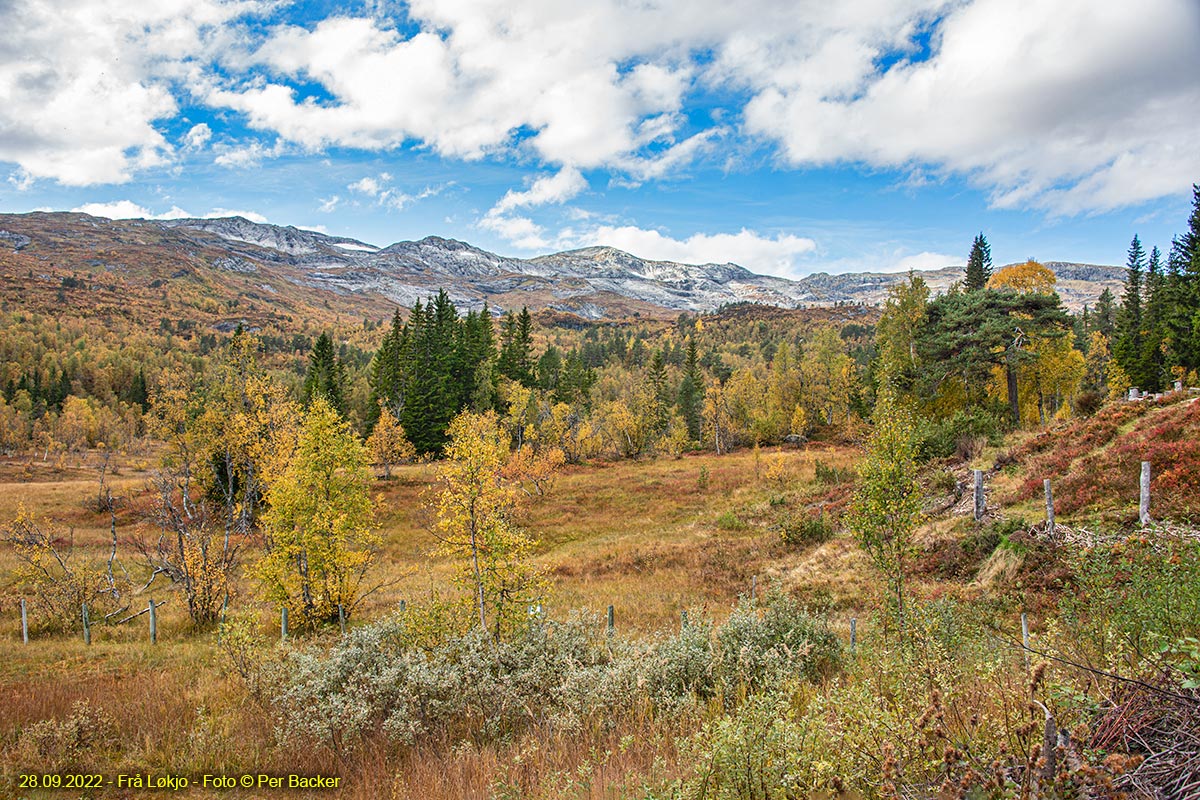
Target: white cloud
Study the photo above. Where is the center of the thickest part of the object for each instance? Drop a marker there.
(1068, 106)
(245, 156)
(769, 255)
(920, 261)
(83, 83)
(197, 136)
(329, 204)
(368, 186)
(127, 209)
(557, 188)
(385, 195)
(521, 232)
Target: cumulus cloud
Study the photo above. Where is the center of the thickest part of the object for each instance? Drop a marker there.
(920, 261)
(197, 136)
(84, 83)
(127, 209)
(1068, 106)
(368, 185)
(557, 188)
(769, 255)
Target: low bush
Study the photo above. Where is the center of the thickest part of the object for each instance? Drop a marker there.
(962, 434)
(804, 529)
(562, 673)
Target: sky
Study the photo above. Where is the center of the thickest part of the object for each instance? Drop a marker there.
(790, 137)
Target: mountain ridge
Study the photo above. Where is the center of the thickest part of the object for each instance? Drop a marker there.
(594, 282)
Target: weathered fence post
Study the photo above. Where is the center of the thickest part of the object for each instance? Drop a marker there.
(683, 619)
(1025, 638)
(153, 623)
(1144, 500)
(342, 618)
(980, 503)
(283, 623)
(24, 623)
(403, 606)
(1049, 505)
(753, 587)
(611, 619)
(853, 634)
(87, 628)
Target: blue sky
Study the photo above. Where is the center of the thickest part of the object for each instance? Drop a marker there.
(790, 137)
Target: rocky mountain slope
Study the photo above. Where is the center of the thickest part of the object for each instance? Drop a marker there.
(593, 282)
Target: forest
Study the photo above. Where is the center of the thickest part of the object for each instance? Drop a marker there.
(481, 553)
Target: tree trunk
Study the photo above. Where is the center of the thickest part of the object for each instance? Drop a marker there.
(1014, 404)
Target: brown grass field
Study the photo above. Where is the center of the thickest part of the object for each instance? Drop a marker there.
(648, 536)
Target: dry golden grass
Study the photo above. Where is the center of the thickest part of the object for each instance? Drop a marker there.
(650, 537)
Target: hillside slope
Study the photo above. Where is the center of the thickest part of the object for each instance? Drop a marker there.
(286, 270)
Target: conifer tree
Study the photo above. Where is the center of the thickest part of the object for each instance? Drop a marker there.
(691, 393)
(1152, 359)
(516, 348)
(326, 375)
(1104, 318)
(1127, 346)
(979, 265)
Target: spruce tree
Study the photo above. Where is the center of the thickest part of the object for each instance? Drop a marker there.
(691, 392)
(326, 375)
(516, 348)
(1104, 318)
(1187, 313)
(979, 265)
(1152, 360)
(1127, 347)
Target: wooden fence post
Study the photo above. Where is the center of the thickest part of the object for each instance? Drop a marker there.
(283, 624)
(403, 606)
(1025, 638)
(754, 587)
(87, 628)
(153, 623)
(1049, 505)
(24, 623)
(611, 619)
(683, 619)
(853, 634)
(1144, 500)
(342, 618)
(980, 503)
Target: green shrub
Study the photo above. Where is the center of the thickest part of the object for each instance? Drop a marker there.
(831, 475)
(729, 521)
(944, 438)
(760, 647)
(805, 529)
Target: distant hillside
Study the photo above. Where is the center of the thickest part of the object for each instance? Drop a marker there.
(269, 269)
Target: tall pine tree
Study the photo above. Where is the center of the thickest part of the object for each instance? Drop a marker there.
(691, 392)
(979, 265)
(1127, 347)
(1152, 361)
(326, 375)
